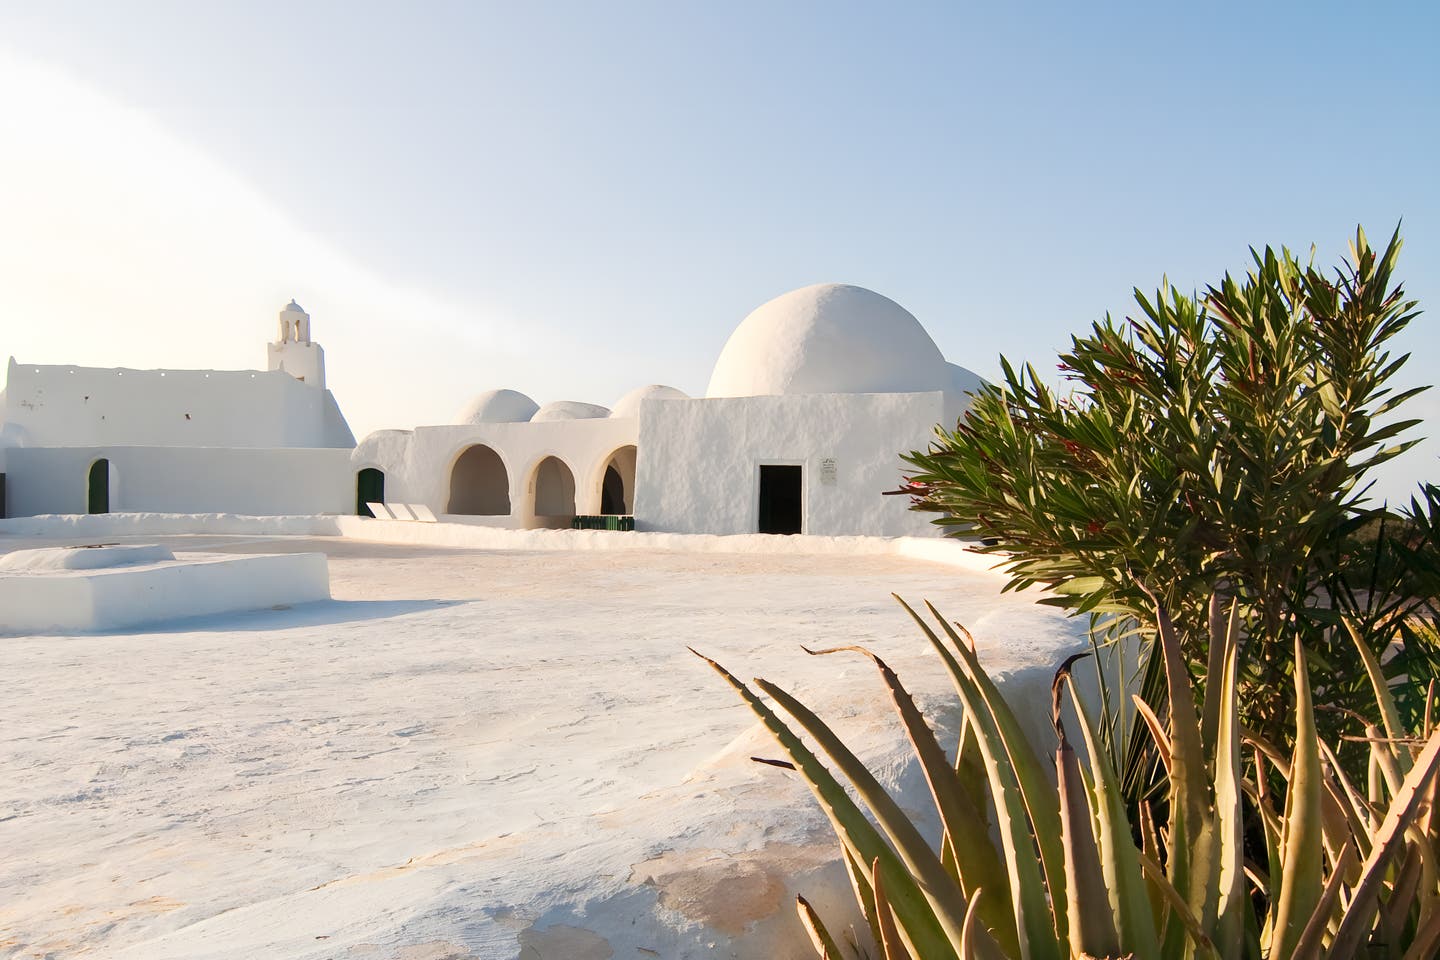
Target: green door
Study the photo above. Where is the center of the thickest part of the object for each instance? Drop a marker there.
(369, 488)
(99, 499)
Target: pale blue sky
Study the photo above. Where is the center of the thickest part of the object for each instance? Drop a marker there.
(624, 182)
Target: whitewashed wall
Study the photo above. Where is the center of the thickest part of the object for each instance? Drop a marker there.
(417, 464)
(183, 480)
(54, 406)
(699, 468)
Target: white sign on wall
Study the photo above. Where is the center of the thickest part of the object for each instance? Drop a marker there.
(827, 471)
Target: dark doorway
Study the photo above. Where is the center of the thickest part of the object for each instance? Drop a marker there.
(612, 494)
(369, 488)
(99, 498)
(780, 499)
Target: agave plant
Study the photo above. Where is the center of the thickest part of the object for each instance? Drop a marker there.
(1348, 868)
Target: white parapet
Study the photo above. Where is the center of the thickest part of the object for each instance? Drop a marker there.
(109, 588)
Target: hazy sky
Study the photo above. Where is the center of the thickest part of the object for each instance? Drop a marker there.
(575, 199)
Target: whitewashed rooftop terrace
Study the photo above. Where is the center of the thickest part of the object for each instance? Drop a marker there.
(467, 753)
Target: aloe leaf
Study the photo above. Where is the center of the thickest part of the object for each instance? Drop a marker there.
(1037, 792)
(1400, 901)
(1270, 822)
(1224, 631)
(978, 863)
(1231, 904)
(1389, 713)
(1303, 880)
(855, 831)
(930, 880)
(1312, 938)
(1427, 939)
(1360, 912)
(864, 893)
(1092, 924)
(1189, 923)
(825, 946)
(1157, 732)
(967, 940)
(1119, 858)
(1035, 924)
(1192, 846)
(890, 945)
(1358, 812)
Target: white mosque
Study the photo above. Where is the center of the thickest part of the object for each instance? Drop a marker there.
(811, 401)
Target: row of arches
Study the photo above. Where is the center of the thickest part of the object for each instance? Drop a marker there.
(479, 486)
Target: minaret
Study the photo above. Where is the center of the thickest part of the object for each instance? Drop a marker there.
(294, 352)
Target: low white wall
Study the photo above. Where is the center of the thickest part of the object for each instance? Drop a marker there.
(194, 585)
(417, 464)
(92, 406)
(281, 481)
(699, 469)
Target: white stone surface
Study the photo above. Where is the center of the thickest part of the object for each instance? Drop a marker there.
(699, 461)
(87, 557)
(34, 599)
(175, 479)
(55, 406)
(468, 754)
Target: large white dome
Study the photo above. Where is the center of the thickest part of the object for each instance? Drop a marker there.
(829, 338)
(498, 406)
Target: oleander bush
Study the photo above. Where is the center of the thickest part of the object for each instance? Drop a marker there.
(1222, 440)
(1345, 868)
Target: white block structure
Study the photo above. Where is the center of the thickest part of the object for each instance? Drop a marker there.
(260, 442)
(79, 589)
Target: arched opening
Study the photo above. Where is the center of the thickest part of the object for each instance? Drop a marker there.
(553, 487)
(369, 488)
(479, 484)
(617, 484)
(98, 493)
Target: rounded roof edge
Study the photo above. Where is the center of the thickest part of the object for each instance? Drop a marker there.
(497, 406)
(629, 405)
(828, 338)
(569, 410)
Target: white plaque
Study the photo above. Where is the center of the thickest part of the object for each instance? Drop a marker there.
(827, 471)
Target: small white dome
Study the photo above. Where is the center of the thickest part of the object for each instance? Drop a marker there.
(498, 406)
(829, 338)
(293, 307)
(570, 410)
(628, 406)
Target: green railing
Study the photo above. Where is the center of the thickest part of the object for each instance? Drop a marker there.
(603, 523)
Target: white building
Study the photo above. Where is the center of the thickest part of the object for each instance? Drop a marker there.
(809, 405)
(85, 439)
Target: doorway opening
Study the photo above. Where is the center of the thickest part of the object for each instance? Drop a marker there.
(617, 487)
(369, 488)
(98, 498)
(479, 484)
(553, 486)
(780, 498)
